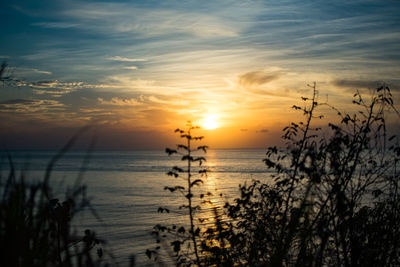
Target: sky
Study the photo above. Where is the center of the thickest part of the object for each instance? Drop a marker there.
(136, 70)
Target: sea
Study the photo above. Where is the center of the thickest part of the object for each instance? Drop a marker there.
(126, 189)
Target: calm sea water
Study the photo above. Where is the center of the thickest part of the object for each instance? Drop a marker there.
(126, 189)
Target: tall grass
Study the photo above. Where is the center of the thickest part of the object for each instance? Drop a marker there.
(36, 229)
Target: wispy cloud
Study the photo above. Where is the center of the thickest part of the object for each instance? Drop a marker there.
(256, 78)
(125, 59)
(356, 84)
(116, 18)
(53, 88)
(131, 68)
(56, 25)
(42, 71)
(23, 71)
(57, 84)
(351, 85)
(30, 106)
(115, 101)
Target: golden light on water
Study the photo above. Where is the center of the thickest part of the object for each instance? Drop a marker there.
(210, 122)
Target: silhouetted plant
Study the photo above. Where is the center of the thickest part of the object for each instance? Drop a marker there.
(6, 76)
(4, 73)
(35, 228)
(333, 199)
(182, 236)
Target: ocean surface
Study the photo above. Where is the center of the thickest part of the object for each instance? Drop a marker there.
(126, 188)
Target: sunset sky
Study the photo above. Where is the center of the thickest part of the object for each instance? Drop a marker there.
(137, 70)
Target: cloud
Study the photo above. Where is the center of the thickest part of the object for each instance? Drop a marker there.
(262, 131)
(116, 18)
(45, 54)
(131, 68)
(356, 84)
(54, 88)
(115, 101)
(57, 84)
(17, 101)
(43, 71)
(56, 25)
(256, 78)
(27, 70)
(125, 59)
(351, 85)
(128, 84)
(31, 105)
(53, 93)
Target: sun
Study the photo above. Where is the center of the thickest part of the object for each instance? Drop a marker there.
(210, 122)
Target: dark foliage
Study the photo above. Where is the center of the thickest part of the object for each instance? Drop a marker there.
(36, 229)
(6, 76)
(333, 199)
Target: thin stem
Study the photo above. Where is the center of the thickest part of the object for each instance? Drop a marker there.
(190, 200)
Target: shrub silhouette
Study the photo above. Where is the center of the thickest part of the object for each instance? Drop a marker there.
(36, 230)
(332, 199)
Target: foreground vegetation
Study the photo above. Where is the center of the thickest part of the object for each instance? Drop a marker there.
(36, 229)
(333, 199)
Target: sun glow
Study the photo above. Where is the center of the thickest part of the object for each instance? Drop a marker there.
(210, 122)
